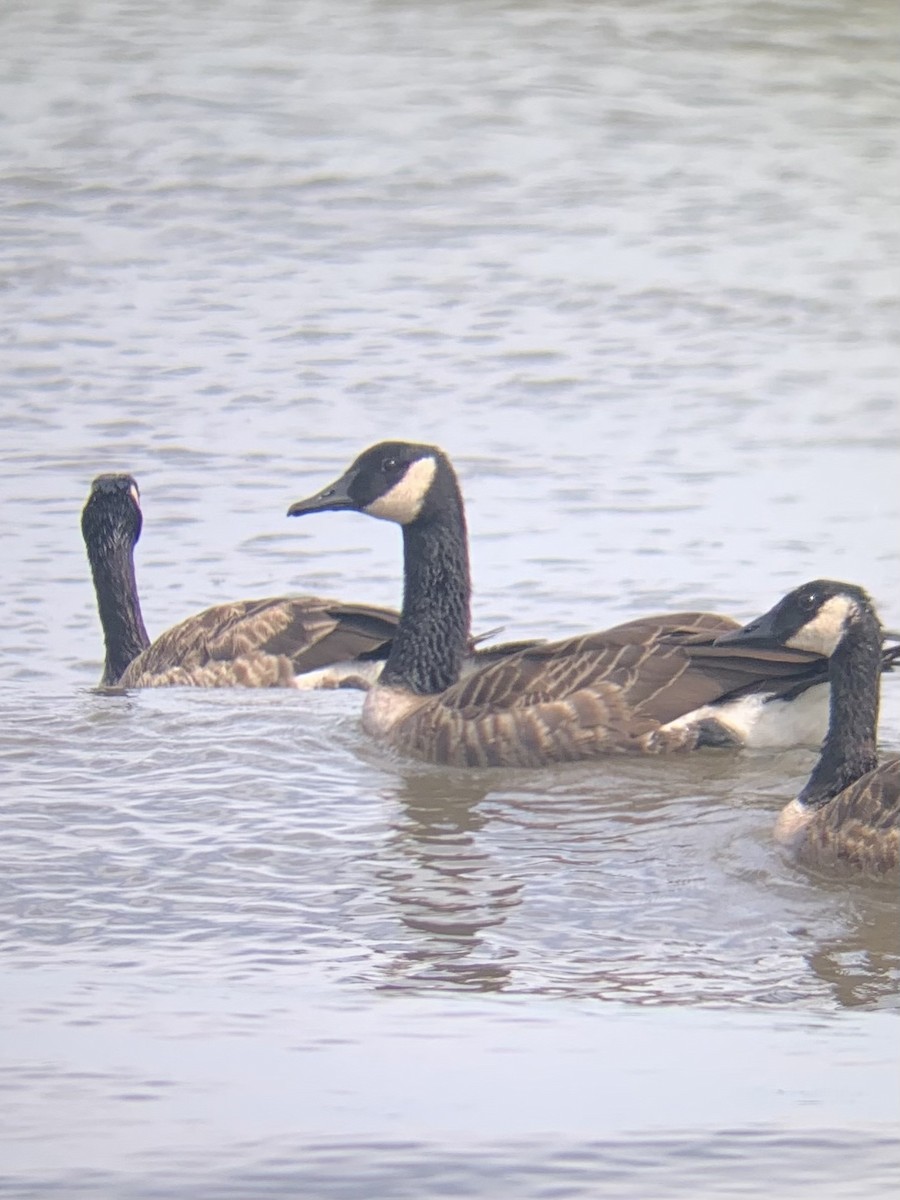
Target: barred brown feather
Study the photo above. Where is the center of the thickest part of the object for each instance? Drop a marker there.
(600, 693)
(260, 643)
(860, 828)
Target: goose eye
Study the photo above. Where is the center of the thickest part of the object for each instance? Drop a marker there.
(390, 466)
(808, 601)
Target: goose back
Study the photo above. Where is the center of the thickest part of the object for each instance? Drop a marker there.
(859, 829)
(262, 643)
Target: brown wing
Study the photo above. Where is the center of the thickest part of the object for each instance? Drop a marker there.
(594, 694)
(785, 671)
(860, 828)
(261, 643)
(658, 664)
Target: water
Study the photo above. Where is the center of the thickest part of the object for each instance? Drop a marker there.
(634, 267)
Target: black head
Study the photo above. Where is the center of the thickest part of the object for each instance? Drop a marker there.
(112, 513)
(394, 481)
(816, 617)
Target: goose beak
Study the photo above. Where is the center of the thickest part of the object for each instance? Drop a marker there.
(760, 632)
(331, 499)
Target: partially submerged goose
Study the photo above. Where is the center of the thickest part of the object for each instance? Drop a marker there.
(651, 685)
(849, 812)
(250, 643)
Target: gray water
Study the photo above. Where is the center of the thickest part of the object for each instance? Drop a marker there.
(634, 267)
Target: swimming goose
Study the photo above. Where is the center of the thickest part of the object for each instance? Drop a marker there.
(650, 685)
(250, 643)
(849, 812)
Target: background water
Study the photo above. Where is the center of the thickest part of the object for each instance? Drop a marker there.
(634, 266)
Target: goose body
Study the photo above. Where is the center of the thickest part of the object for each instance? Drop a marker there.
(272, 642)
(651, 685)
(848, 814)
(269, 642)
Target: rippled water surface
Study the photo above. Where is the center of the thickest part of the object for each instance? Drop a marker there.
(634, 267)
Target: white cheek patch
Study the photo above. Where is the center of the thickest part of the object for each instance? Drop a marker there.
(404, 501)
(135, 494)
(825, 630)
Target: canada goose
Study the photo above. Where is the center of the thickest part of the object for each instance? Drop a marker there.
(654, 684)
(250, 643)
(849, 812)
(279, 641)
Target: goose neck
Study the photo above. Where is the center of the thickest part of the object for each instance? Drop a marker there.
(124, 633)
(849, 749)
(433, 634)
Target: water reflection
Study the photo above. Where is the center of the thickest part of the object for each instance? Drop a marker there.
(862, 967)
(445, 882)
(625, 884)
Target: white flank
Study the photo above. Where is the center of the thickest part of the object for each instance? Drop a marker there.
(404, 501)
(778, 724)
(825, 630)
(769, 724)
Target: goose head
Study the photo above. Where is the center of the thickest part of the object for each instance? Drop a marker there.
(111, 518)
(816, 617)
(403, 482)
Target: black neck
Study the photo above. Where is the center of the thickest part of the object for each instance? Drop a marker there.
(431, 640)
(848, 751)
(119, 607)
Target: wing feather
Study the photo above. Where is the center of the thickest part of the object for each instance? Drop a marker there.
(261, 643)
(592, 694)
(661, 678)
(860, 828)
